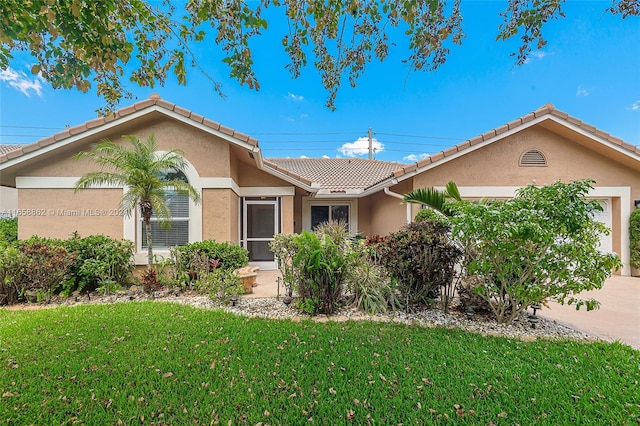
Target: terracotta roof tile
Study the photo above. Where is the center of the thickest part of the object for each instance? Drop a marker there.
(30, 148)
(196, 117)
(450, 151)
(437, 156)
(13, 154)
(527, 118)
(475, 141)
(144, 104)
(338, 174)
(8, 148)
(166, 105)
(126, 110)
(182, 111)
(501, 129)
(226, 130)
(210, 123)
(514, 123)
(77, 129)
(488, 135)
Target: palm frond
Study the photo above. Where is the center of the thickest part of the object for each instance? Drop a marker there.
(426, 196)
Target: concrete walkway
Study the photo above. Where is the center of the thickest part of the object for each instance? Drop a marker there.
(617, 319)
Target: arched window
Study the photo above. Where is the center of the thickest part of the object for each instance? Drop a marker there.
(176, 231)
(533, 157)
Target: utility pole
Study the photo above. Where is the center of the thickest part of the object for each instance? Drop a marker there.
(370, 144)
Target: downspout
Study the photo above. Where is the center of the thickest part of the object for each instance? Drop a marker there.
(396, 195)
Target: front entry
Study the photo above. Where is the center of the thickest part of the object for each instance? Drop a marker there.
(260, 222)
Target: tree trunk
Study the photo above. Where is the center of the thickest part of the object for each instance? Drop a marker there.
(147, 224)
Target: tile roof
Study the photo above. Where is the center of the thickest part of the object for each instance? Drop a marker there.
(336, 174)
(153, 100)
(546, 110)
(8, 148)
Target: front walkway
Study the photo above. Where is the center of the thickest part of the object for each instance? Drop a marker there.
(266, 285)
(617, 319)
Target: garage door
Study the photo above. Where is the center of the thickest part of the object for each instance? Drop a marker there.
(606, 245)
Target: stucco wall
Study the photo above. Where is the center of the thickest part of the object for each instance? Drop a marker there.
(387, 213)
(287, 214)
(249, 175)
(57, 213)
(217, 205)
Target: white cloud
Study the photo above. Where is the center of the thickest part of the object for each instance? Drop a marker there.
(636, 105)
(360, 147)
(583, 91)
(294, 97)
(325, 156)
(303, 156)
(19, 80)
(414, 157)
(536, 54)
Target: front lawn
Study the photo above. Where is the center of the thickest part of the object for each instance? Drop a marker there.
(161, 363)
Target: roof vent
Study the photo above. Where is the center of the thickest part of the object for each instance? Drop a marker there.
(533, 157)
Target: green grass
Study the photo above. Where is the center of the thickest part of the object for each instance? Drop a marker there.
(143, 363)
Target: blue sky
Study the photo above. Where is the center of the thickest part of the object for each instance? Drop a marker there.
(590, 69)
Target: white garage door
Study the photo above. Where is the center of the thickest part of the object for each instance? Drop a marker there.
(606, 245)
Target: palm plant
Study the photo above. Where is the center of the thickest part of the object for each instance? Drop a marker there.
(433, 198)
(144, 173)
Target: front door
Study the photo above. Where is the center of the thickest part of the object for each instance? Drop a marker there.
(261, 222)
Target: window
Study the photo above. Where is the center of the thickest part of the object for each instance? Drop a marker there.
(326, 213)
(533, 157)
(165, 236)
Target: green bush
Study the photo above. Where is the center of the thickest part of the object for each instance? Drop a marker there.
(43, 268)
(541, 244)
(432, 215)
(421, 258)
(11, 279)
(322, 264)
(634, 237)
(230, 256)
(98, 259)
(9, 229)
(219, 284)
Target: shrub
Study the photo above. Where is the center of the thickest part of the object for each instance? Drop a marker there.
(43, 268)
(219, 284)
(231, 256)
(9, 229)
(421, 258)
(284, 248)
(98, 258)
(634, 237)
(368, 287)
(11, 279)
(432, 215)
(149, 280)
(322, 269)
(541, 244)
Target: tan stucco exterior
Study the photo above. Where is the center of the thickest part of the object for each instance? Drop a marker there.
(57, 213)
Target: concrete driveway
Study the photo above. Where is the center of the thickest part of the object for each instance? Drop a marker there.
(618, 317)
